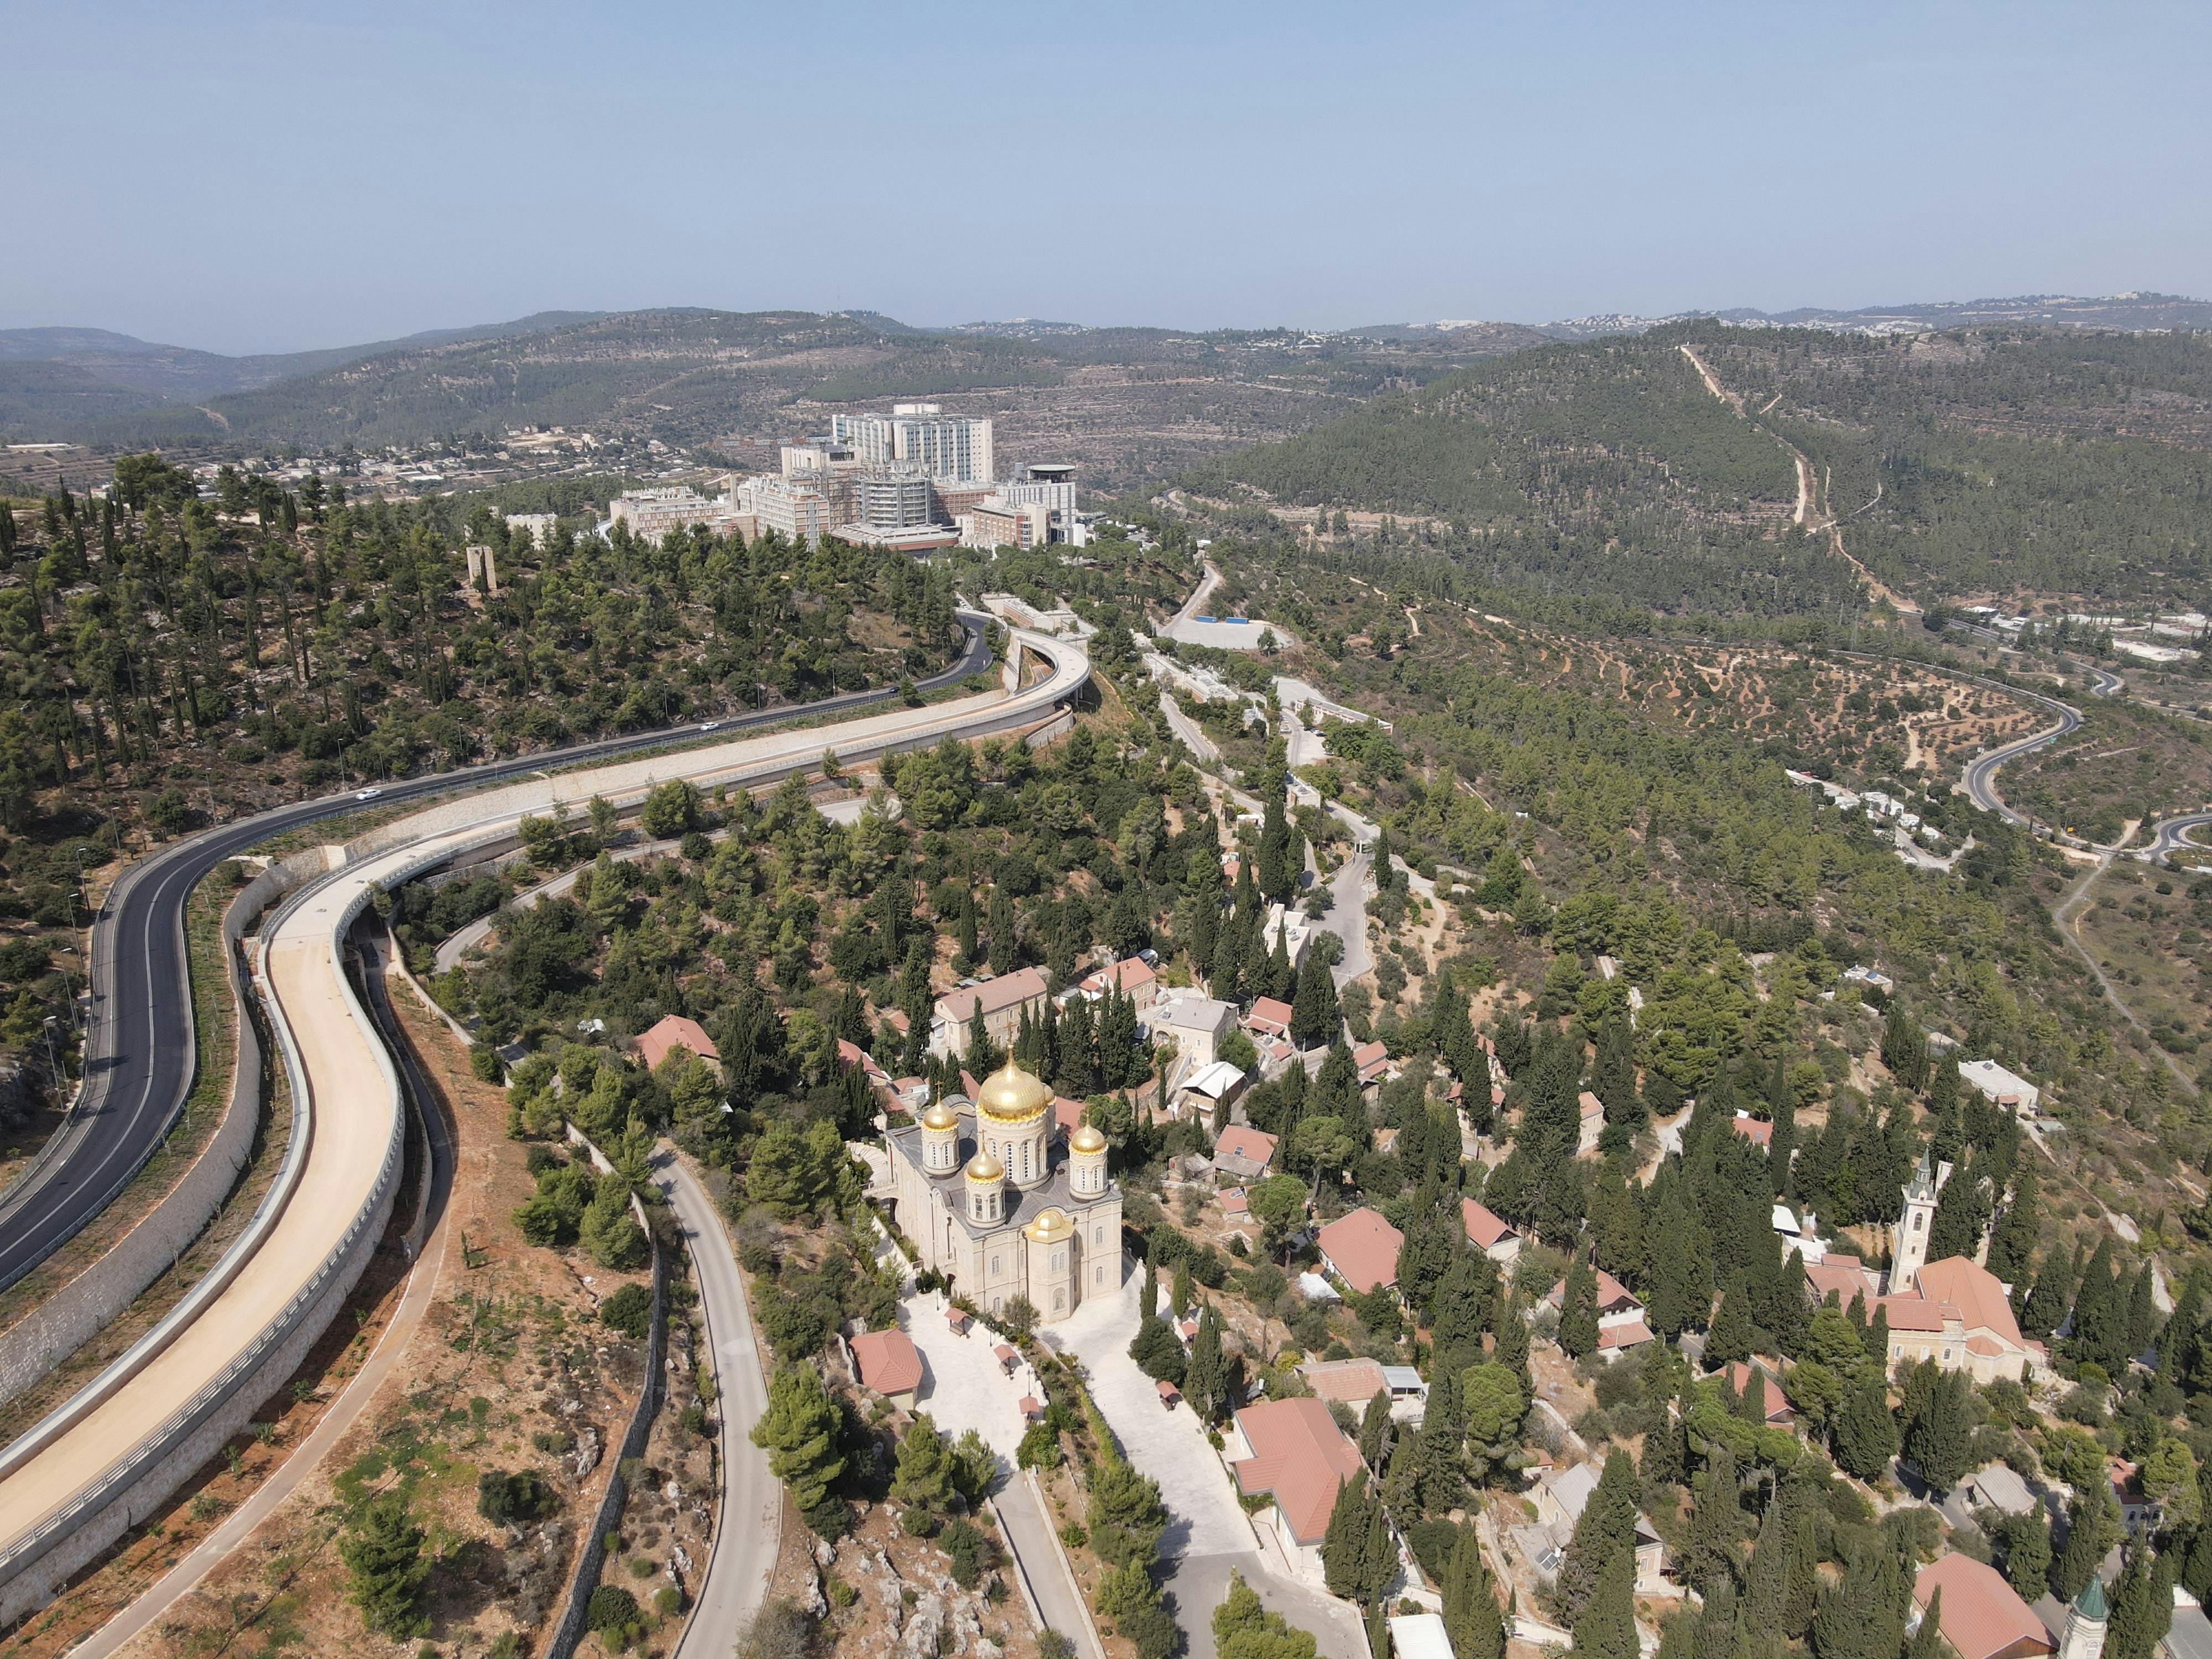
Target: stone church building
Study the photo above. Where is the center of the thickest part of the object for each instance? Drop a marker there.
(1000, 1205)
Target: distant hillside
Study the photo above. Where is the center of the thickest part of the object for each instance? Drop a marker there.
(1996, 462)
(1130, 405)
(55, 382)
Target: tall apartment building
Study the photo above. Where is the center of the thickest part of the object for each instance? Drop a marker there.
(921, 434)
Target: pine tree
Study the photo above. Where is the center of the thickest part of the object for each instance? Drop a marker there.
(800, 1432)
(1606, 1626)
(1578, 1317)
(1473, 1622)
(1866, 1433)
(382, 1549)
(923, 1474)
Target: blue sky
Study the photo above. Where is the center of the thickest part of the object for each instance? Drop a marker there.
(243, 177)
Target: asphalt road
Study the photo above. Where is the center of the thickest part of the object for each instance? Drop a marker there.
(1981, 772)
(139, 1052)
(733, 1580)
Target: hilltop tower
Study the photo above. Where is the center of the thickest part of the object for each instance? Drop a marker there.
(1908, 1242)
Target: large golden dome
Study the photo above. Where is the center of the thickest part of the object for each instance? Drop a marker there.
(1011, 1095)
(941, 1116)
(1087, 1140)
(986, 1170)
(1050, 1226)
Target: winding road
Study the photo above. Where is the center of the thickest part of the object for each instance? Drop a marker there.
(140, 1058)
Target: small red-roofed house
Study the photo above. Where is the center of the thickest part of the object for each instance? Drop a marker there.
(1132, 977)
(1981, 1616)
(1620, 1321)
(1487, 1233)
(1243, 1152)
(672, 1031)
(1292, 1451)
(1361, 1249)
(1776, 1408)
(1756, 1130)
(1373, 1060)
(889, 1365)
(1270, 1018)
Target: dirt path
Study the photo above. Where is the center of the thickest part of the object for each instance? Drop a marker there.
(1881, 590)
(2067, 914)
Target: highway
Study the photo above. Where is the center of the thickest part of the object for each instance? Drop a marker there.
(62, 1477)
(1980, 775)
(139, 1051)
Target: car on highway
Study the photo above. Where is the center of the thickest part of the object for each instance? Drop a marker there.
(366, 794)
(709, 726)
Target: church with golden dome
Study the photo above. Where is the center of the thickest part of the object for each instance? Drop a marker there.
(1002, 1206)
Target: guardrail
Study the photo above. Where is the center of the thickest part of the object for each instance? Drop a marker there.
(175, 1435)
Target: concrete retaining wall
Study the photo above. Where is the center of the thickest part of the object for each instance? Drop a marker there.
(77, 1311)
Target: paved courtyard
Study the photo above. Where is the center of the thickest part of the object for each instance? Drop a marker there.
(961, 1387)
(1208, 1533)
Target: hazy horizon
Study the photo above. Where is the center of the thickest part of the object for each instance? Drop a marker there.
(243, 180)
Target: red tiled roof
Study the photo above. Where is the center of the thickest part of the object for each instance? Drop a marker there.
(889, 1362)
(1235, 1206)
(1841, 1275)
(1363, 1248)
(670, 1031)
(1756, 1130)
(1484, 1229)
(1612, 1295)
(1978, 1294)
(1242, 1140)
(1743, 1378)
(1269, 1014)
(1633, 1334)
(1981, 1616)
(1131, 974)
(1169, 1392)
(1354, 1381)
(1371, 1058)
(1910, 1312)
(1590, 1104)
(1300, 1457)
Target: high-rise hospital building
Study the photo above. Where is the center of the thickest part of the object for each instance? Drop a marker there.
(922, 435)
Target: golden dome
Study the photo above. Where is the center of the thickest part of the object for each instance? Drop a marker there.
(941, 1116)
(1051, 1226)
(1011, 1095)
(1087, 1140)
(985, 1170)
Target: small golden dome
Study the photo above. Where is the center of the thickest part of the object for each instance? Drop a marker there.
(985, 1170)
(1011, 1095)
(941, 1116)
(1087, 1140)
(1051, 1226)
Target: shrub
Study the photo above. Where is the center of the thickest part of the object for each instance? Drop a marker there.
(969, 1549)
(505, 1500)
(612, 1611)
(628, 1311)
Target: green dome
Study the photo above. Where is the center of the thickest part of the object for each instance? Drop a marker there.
(2090, 1604)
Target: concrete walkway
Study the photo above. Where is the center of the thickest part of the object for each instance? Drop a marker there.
(1208, 1533)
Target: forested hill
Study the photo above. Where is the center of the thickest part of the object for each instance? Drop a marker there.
(2016, 463)
(1129, 404)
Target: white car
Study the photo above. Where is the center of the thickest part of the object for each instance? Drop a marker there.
(366, 794)
(709, 726)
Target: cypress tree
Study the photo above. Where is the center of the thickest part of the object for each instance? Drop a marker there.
(1473, 1622)
(2012, 1240)
(1927, 1641)
(2142, 1312)
(1315, 1015)
(2100, 1328)
(1512, 1333)
(1439, 1463)
(1605, 1628)
(1866, 1433)
(1578, 1317)
(1605, 1529)
(2028, 1554)
(1938, 1434)
(1728, 1342)
(2092, 1527)
(1205, 1380)
(2142, 1604)
(1375, 1430)
(1715, 1516)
